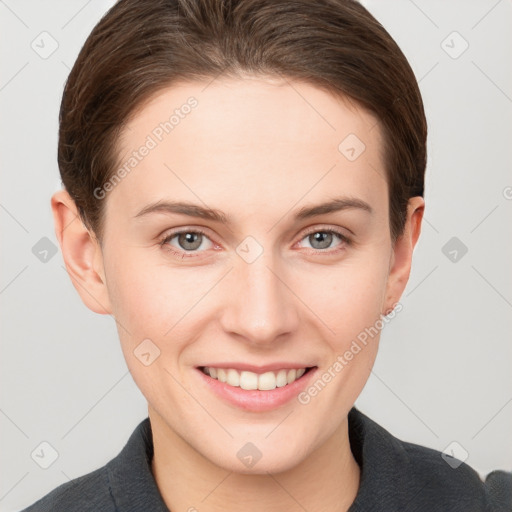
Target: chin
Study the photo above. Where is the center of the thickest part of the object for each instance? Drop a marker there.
(277, 463)
(258, 457)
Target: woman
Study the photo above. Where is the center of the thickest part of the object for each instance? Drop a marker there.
(243, 193)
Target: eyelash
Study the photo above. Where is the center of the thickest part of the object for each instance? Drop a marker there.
(164, 243)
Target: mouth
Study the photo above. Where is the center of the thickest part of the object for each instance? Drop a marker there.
(248, 380)
(255, 389)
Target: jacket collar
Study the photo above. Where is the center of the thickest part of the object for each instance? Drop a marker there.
(131, 483)
(384, 466)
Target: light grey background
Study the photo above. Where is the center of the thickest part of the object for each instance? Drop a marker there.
(444, 368)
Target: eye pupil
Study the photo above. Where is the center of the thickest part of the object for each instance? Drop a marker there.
(320, 240)
(190, 241)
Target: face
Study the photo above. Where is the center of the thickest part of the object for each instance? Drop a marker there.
(251, 237)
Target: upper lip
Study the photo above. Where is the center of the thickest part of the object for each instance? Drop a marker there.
(257, 369)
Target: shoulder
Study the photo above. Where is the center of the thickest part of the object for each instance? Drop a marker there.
(88, 492)
(399, 475)
(124, 483)
(447, 480)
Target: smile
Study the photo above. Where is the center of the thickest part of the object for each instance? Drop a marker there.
(249, 380)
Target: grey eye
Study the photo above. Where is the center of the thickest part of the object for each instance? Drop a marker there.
(320, 239)
(190, 241)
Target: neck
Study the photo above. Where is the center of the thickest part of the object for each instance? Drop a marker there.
(188, 481)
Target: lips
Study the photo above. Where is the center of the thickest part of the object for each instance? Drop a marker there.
(266, 396)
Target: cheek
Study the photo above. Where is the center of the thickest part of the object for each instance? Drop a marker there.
(154, 301)
(348, 306)
(150, 296)
(347, 297)
(150, 304)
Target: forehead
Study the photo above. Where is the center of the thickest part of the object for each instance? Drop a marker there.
(249, 141)
(273, 109)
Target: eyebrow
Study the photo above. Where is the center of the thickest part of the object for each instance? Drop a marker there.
(195, 210)
(338, 204)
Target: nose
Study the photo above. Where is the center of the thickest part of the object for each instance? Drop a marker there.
(259, 307)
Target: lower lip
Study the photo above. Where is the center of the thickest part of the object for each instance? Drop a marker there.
(256, 400)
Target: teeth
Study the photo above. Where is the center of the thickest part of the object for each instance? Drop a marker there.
(281, 379)
(249, 380)
(267, 381)
(233, 379)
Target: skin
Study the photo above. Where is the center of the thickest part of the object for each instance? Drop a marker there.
(259, 150)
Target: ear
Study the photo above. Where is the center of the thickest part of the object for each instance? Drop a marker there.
(401, 257)
(82, 254)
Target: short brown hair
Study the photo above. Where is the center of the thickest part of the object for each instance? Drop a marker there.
(142, 46)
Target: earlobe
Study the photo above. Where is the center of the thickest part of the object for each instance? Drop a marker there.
(401, 258)
(81, 252)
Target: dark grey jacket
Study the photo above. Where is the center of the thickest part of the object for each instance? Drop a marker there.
(395, 476)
